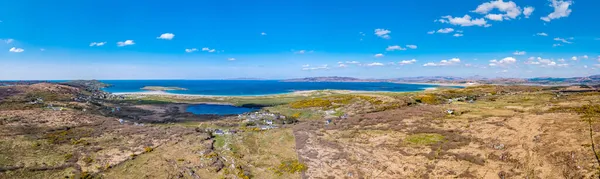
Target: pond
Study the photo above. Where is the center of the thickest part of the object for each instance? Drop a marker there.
(218, 109)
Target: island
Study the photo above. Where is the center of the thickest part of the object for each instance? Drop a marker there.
(161, 88)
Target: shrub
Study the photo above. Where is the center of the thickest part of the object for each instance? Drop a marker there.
(371, 99)
(36, 144)
(291, 167)
(68, 157)
(148, 149)
(296, 115)
(85, 175)
(88, 160)
(68, 135)
(427, 99)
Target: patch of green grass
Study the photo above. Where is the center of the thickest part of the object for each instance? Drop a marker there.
(323, 102)
(300, 114)
(338, 113)
(219, 141)
(263, 100)
(424, 139)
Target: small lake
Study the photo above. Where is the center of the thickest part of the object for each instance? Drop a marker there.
(217, 109)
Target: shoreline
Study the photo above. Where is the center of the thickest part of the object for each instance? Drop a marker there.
(303, 92)
(441, 84)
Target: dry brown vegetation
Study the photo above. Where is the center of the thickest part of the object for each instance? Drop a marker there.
(493, 132)
(509, 132)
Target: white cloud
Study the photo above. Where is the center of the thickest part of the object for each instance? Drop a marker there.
(510, 8)
(463, 21)
(394, 48)
(561, 9)
(341, 65)
(352, 62)
(546, 62)
(429, 64)
(375, 64)
(8, 41)
(585, 57)
(304, 66)
(378, 55)
(574, 58)
(519, 53)
(303, 51)
(495, 17)
(383, 33)
(541, 34)
(431, 32)
(16, 50)
(411, 46)
(563, 40)
(263, 33)
(562, 60)
(528, 11)
(190, 50)
(407, 62)
(445, 30)
(444, 62)
(125, 43)
(231, 59)
(322, 67)
(504, 62)
(206, 49)
(458, 35)
(556, 45)
(166, 36)
(97, 44)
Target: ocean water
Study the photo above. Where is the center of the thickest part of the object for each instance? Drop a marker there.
(254, 87)
(217, 109)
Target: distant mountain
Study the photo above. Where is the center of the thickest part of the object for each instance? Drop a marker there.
(331, 79)
(591, 80)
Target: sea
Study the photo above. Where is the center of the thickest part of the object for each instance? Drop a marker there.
(255, 87)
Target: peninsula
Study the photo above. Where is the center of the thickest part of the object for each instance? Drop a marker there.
(161, 88)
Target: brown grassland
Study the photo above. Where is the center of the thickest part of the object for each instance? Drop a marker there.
(476, 132)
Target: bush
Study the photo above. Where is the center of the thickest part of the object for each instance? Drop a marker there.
(148, 149)
(291, 167)
(88, 160)
(68, 157)
(427, 99)
(68, 135)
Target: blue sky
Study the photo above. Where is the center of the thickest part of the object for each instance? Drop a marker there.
(110, 39)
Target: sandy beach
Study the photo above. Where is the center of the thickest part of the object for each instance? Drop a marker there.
(299, 93)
